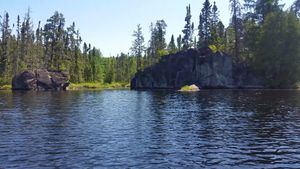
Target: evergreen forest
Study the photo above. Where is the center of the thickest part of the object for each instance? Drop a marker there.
(261, 35)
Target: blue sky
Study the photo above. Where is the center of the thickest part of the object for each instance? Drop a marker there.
(109, 24)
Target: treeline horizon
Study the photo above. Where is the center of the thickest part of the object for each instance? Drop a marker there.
(249, 39)
(55, 46)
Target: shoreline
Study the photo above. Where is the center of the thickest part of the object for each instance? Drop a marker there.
(85, 86)
(97, 86)
(5, 87)
(112, 86)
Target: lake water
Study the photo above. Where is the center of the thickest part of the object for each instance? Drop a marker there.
(150, 129)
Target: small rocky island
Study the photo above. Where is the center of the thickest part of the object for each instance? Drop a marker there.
(40, 80)
(201, 67)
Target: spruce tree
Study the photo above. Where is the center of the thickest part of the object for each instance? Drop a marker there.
(214, 37)
(54, 40)
(264, 7)
(200, 42)
(27, 40)
(249, 7)
(206, 21)
(172, 46)
(6, 34)
(236, 15)
(188, 30)
(179, 43)
(295, 8)
(214, 15)
(277, 57)
(138, 47)
(160, 33)
(15, 60)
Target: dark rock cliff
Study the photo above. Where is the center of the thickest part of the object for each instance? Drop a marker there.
(200, 67)
(40, 80)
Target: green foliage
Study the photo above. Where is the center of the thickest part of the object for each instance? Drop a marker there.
(162, 52)
(206, 23)
(295, 8)
(236, 9)
(172, 47)
(211, 30)
(213, 48)
(137, 48)
(5, 87)
(53, 46)
(188, 30)
(265, 7)
(179, 43)
(97, 86)
(278, 57)
(263, 37)
(157, 41)
(251, 37)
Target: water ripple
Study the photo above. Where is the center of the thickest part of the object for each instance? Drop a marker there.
(143, 129)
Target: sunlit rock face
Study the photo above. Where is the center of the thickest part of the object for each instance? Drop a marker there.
(200, 67)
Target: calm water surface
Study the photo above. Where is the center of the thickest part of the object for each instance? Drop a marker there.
(144, 129)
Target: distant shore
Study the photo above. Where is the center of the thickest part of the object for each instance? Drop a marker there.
(86, 86)
(106, 86)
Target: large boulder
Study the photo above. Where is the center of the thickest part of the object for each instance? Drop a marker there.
(40, 79)
(24, 81)
(200, 67)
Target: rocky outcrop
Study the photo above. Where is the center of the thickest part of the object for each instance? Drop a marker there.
(40, 80)
(200, 67)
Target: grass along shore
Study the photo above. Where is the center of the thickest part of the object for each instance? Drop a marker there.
(5, 87)
(86, 86)
(97, 86)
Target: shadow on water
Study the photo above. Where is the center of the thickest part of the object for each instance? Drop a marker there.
(229, 127)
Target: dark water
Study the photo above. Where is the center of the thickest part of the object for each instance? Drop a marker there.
(143, 129)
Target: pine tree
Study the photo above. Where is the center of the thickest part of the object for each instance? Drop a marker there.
(38, 34)
(138, 47)
(157, 41)
(264, 7)
(249, 7)
(26, 48)
(277, 57)
(15, 60)
(195, 44)
(221, 36)
(111, 74)
(214, 37)
(160, 32)
(200, 42)
(179, 43)
(54, 40)
(6, 34)
(215, 15)
(151, 51)
(206, 22)
(27, 40)
(236, 15)
(188, 30)
(295, 8)
(172, 46)
(39, 50)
